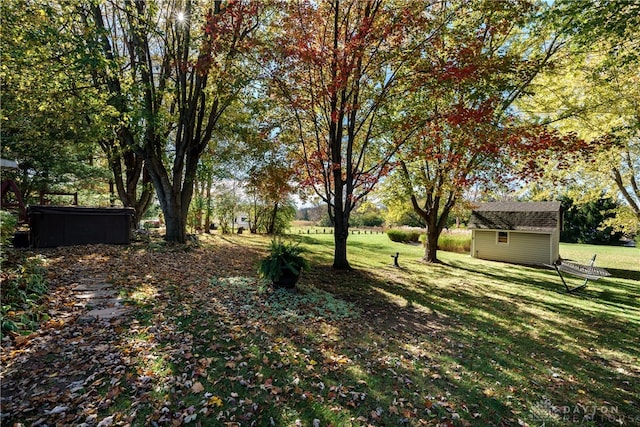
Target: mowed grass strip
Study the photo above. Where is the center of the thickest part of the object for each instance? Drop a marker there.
(464, 342)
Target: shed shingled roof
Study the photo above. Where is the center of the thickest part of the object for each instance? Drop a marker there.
(516, 216)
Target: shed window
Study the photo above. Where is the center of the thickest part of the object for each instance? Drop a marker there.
(503, 237)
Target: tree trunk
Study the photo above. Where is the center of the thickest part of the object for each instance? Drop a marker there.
(253, 225)
(143, 203)
(112, 194)
(129, 176)
(435, 221)
(272, 222)
(340, 235)
(209, 202)
(171, 199)
(431, 248)
(340, 251)
(176, 226)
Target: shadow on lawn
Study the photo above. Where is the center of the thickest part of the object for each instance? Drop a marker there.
(527, 358)
(614, 293)
(625, 274)
(525, 345)
(416, 346)
(608, 297)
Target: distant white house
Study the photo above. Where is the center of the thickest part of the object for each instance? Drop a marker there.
(516, 232)
(241, 220)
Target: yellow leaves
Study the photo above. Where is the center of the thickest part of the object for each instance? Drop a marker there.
(336, 360)
(342, 360)
(489, 392)
(214, 401)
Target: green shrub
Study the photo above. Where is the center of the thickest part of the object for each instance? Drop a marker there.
(397, 235)
(403, 236)
(22, 291)
(8, 223)
(282, 256)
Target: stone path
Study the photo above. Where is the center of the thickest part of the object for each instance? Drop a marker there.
(99, 298)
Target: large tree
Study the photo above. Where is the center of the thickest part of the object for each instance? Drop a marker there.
(186, 64)
(595, 91)
(464, 89)
(60, 107)
(339, 67)
(44, 113)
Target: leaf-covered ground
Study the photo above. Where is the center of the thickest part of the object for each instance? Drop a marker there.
(205, 343)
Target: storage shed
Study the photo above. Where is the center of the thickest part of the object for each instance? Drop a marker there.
(516, 232)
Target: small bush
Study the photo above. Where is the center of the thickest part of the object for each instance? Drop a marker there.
(403, 236)
(8, 223)
(23, 286)
(396, 235)
(151, 223)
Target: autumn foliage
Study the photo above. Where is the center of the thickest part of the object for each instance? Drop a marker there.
(472, 137)
(337, 68)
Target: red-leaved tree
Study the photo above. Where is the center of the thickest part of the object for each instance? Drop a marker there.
(465, 87)
(337, 72)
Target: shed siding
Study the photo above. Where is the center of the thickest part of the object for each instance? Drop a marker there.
(523, 248)
(555, 245)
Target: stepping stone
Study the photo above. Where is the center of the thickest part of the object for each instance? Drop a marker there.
(101, 294)
(94, 292)
(97, 286)
(86, 320)
(102, 303)
(107, 313)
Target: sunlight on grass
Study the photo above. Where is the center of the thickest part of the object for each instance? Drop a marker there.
(616, 257)
(143, 293)
(393, 298)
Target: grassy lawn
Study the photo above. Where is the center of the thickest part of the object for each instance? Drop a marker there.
(465, 342)
(494, 342)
